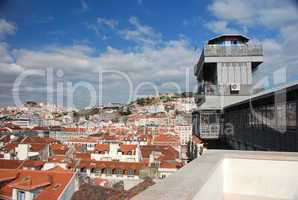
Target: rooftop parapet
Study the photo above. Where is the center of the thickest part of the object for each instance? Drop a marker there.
(220, 174)
(220, 50)
(216, 50)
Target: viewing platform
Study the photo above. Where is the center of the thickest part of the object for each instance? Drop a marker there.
(229, 175)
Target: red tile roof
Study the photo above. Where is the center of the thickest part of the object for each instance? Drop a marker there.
(125, 148)
(196, 139)
(170, 165)
(58, 149)
(57, 169)
(9, 175)
(41, 140)
(5, 138)
(52, 183)
(112, 164)
(31, 181)
(102, 147)
(10, 164)
(166, 138)
(167, 152)
(83, 156)
(33, 163)
(57, 158)
(37, 147)
(9, 147)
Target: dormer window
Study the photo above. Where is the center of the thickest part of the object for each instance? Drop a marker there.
(20, 195)
(57, 186)
(235, 42)
(130, 172)
(119, 172)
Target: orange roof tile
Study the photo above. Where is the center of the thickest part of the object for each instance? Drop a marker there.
(125, 148)
(57, 158)
(83, 156)
(59, 149)
(52, 182)
(31, 181)
(37, 147)
(9, 175)
(102, 147)
(41, 140)
(170, 165)
(167, 152)
(33, 163)
(9, 147)
(112, 164)
(10, 164)
(56, 169)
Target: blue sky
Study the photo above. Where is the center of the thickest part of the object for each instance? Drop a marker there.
(47, 22)
(150, 41)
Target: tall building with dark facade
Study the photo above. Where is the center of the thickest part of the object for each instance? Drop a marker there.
(224, 74)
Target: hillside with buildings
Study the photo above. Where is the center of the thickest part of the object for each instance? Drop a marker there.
(114, 149)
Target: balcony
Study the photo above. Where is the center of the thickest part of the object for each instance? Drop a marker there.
(233, 50)
(244, 50)
(231, 175)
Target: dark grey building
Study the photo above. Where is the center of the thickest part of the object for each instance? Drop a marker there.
(224, 73)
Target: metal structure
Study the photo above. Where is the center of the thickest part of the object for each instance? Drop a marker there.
(267, 121)
(224, 74)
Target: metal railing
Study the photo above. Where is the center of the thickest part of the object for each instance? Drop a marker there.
(233, 50)
(216, 50)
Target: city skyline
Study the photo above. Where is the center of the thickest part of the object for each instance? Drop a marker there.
(147, 41)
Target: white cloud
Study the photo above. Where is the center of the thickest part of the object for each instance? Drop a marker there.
(221, 27)
(84, 6)
(269, 13)
(7, 65)
(4, 53)
(66, 58)
(141, 34)
(101, 27)
(6, 28)
(111, 23)
(152, 60)
(173, 56)
(280, 48)
(81, 63)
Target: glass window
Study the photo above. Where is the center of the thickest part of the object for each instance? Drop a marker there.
(130, 172)
(108, 171)
(291, 115)
(97, 170)
(21, 195)
(270, 116)
(281, 115)
(119, 172)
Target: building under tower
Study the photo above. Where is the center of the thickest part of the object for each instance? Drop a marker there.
(224, 74)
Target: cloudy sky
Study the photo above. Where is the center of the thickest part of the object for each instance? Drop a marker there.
(139, 46)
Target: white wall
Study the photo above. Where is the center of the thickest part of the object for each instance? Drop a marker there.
(268, 178)
(69, 189)
(213, 188)
(22, 151)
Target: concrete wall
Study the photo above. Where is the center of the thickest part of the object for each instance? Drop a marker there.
(267, 178)
(69, 189)
(214, 187)
(248, 174)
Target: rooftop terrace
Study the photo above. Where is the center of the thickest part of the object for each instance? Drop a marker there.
(229, 175)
